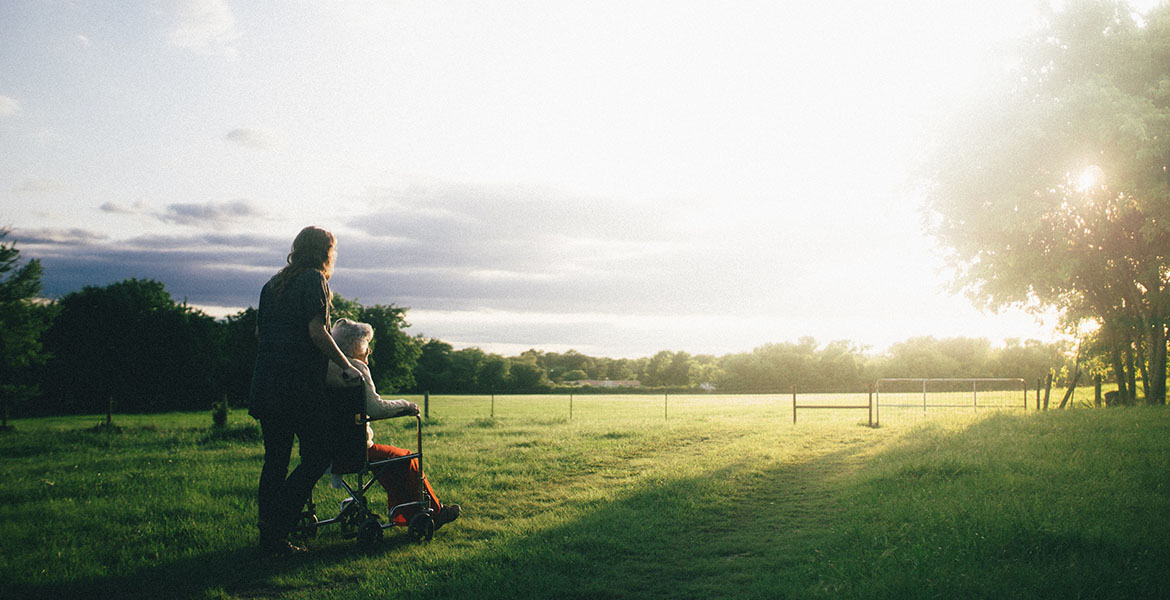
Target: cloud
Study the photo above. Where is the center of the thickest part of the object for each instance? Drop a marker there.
(38, 185)
(8, 106)
(509, 229)
(205, 27)
(64, 237)
(117, 208)
(210, 213)
(449, 251)
(228, 270)
(214, 214)
(213, 269)
(253, 138)
(463, 247)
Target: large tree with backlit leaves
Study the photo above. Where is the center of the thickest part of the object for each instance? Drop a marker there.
(1053, 190)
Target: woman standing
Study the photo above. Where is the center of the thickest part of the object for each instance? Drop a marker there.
(288, 383)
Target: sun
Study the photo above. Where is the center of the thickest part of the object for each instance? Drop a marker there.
(1092, 177)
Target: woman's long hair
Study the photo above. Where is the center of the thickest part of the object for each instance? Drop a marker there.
(313, 248)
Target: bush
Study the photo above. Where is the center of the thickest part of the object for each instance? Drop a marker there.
(219, 413)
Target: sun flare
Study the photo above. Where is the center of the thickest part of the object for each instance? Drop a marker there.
(1092, 177)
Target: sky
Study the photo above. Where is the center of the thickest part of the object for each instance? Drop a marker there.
(617, 178)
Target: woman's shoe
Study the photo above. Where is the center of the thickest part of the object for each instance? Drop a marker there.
(280, 548)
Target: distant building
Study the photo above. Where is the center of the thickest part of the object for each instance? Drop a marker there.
(609, 383)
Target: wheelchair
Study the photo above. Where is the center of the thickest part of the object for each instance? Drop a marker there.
(346, 422)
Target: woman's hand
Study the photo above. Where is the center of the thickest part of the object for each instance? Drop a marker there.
(412, 410)
(351, 375)
(324, 342)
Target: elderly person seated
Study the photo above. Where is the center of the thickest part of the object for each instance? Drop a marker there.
(400, 480)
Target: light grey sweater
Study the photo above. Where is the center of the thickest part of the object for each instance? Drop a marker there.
(377, 408)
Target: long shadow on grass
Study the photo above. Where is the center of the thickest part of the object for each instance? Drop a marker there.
(737, 531)
(1011, 507)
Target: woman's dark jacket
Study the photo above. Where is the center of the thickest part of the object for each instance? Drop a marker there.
(289, 379)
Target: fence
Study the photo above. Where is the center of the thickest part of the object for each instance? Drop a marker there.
(823, 406)
(660, 406)
(905, 395)
(949, 393)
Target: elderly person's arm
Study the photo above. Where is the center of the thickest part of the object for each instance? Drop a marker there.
(378, 407)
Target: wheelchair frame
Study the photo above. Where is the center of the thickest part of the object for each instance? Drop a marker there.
(355, 517)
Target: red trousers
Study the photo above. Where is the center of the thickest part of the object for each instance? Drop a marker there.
(401, 479)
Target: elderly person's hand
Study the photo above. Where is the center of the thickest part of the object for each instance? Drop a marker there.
(412, 411)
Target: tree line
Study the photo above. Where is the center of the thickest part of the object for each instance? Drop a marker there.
(130, 347)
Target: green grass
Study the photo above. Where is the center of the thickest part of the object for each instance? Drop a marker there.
(724, 498)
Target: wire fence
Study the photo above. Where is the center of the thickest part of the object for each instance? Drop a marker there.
(888, 398)
(629, 407)
(916, 398)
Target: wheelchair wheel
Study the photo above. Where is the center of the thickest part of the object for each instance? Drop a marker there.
(421, 527)
(370, 532)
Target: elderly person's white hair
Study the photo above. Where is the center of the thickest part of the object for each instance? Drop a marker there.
(352, 337)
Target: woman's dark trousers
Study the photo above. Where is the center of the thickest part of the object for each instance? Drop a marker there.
(281, 497)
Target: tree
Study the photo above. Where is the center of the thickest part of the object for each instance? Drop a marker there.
(393, 353)
(708, 371)
(1055, 191)
(654, 373)
(130, 343)
(22, 320)
(240, 346)
(433, 370)
(527, 376)
(839, 367)
(559, 366)
(1031, 360)
(465, 367)
(682, 370)
(617, 370)
(931, 357)
(493, 375)
(575, 375)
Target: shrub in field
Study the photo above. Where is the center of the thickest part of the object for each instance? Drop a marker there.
(219, 413)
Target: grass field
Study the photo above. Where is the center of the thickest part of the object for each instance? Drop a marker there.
(704, 497)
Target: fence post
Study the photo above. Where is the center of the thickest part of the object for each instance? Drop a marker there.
(570, 406)
(493, 409)
(426, 405)
(1047, 389)
(665, 405)
(871, 405)
(923, 396)
(1039, 383)
(794, 405)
